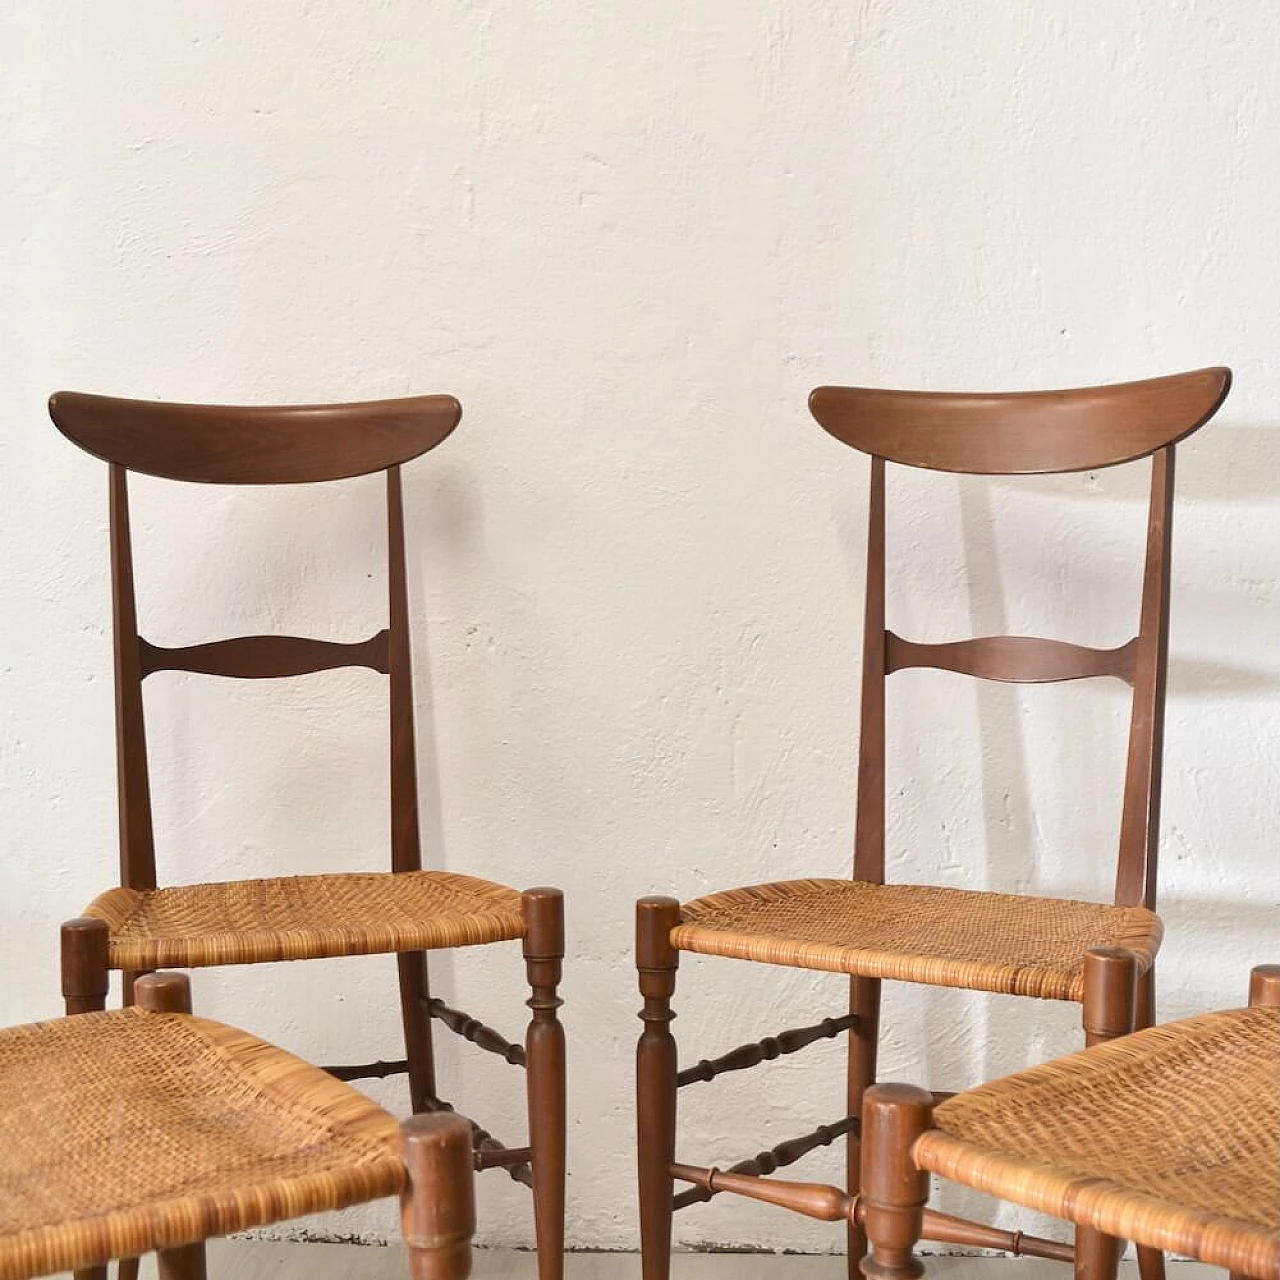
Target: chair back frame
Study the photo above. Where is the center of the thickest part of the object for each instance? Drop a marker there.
(254, 445)
(1023, 433)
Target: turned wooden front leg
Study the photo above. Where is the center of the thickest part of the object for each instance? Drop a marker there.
(656, 961)
(545, 1072)
(894, 1191)
(438, 1203)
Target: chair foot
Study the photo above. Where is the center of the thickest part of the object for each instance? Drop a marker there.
(438, 1203)
(545, 1070)
(656, 961)
(85, 977)
(894, 1191)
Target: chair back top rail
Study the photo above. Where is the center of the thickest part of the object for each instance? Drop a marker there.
(1022, 432)
(254, 444)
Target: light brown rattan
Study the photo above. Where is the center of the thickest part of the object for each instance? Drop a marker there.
(1170, 1137)
(304, 918)
(126, 1131)
(917, 933)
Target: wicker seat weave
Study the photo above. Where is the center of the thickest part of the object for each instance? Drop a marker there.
(917, 933)
(1170, 1137)
(304, 918)
(127, 1131)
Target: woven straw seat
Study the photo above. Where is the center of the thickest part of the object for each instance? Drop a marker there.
(917, 933)
(1170, 1137)
(128, 1131)
(304, 918)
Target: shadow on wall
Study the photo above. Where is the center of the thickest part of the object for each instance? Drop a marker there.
(1229, 466)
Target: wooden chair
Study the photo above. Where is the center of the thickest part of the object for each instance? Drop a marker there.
(407, 910)
(1169, 1137)
(147, 1129)
(946, 937)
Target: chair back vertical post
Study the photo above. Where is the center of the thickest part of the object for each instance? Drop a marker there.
(406, 848)
(137, 838)
(1140, 814)
(868, 858)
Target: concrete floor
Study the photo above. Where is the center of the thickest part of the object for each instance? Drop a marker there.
(262, 1260)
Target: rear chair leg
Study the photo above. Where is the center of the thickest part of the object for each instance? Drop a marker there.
(438, 1203)
(544, 1050)
(894, 1191)
(169, 993)
(1110, 1004)
(864, 1000)
(415, 991)
(656, 960)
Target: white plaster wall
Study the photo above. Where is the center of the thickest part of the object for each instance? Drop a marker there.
(631, 238)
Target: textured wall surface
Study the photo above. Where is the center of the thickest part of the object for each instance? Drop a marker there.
(630, 238)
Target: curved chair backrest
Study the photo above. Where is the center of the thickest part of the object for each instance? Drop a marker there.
(223, 444)
(269, 444)
(1022, 432)
(1025, 433)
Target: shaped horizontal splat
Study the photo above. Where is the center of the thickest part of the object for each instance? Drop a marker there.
(265, 657)
(1013, 659)
(752, 1055)
(474, 1031)
(766, 1162)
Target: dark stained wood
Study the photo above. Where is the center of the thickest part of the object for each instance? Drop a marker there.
(832, 1204)
(369, 1070)
(946, 1229)
(813, 1199)
(85, 977)
(752, 1055)
(473, 1030)
(868, 857)
(656, 1089)
(1108, 1010)
(1013, 659)
(1140, 811)
(438, 1204)
(415, 992)
(894, 1191)
(265, 657)
(488, 1152)
(544, 1052)
(137, 839)
(860, 1075)
(1013, 434)
(406, 843)
(286, 445)
(1264, 986)
(168, 992)
(503, 1158)
(164, 992)
(1110, 994)
(406, 847)
(254, 444)
(1024, 432)
(785, 1153)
